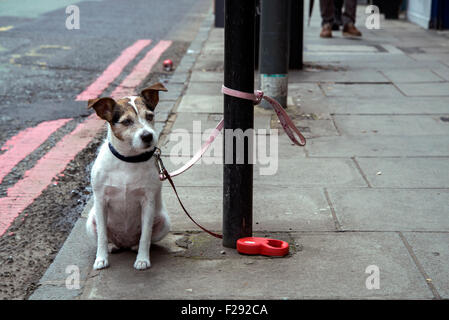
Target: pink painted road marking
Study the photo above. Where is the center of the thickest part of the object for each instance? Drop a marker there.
(25, 142)
(141, 70)
(112, 71)
(35, 180)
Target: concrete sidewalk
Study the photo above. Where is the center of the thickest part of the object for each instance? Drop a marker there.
(371, 187)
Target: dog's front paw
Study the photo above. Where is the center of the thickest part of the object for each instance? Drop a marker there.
(142, 264)
(101, 263)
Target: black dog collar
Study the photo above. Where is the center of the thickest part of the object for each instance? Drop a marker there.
(133, 159)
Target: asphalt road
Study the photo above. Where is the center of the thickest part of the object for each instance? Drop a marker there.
(43, 68)
(43, 65)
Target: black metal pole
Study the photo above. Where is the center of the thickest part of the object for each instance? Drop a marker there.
(238, 114)
(274, 49)
(257, 35)
(219, 13)
(296, 34)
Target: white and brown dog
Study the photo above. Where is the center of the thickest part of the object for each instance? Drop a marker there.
(128, 211)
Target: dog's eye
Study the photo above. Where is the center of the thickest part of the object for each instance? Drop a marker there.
(127, 122)
(149, 117)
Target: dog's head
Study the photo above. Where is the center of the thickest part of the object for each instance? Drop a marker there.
(131, 119)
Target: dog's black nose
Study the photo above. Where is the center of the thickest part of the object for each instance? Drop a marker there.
(147, 137)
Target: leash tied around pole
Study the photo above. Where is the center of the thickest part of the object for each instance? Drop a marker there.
(256, 97)
(287, 123)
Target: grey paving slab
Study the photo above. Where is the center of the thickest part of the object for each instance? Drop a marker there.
(204, 88)
(336, 76)
(359, 59)
(371, 209)
(327, 266)
(424, 89)
(187, 61)
(365, 145)
(318, 106)
(371, 61)
(198, 122)
(442, 56)
(381, 105)
(346, 48)
(263, 122)
(164, 107)
(216, 53)
(216, 35)
(442, 71)
(201, 104)
(381, 125)
(173, 93)
(206, 172)
(213, 48)
(312, 128)
(215, 41)
(392, 49)
(436, 49)
(406, 172)
(161, 116)
(411, 75)
(433, 253)
(275, 208)
(360, 90)
(205, 64)
(305, 90)
(179, 77)
(203, 76)
(302, 172)
(309, 172)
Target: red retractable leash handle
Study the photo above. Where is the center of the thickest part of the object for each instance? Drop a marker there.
(248, 245)
(263, 246)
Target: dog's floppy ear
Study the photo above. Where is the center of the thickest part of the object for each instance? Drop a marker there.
(103, 107)
(151, 95)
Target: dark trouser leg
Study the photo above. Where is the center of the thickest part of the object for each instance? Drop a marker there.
(350, 9)
(338, 5)
(327, 11)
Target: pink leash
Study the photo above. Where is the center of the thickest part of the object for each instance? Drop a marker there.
(200, 152)
(257, 97)
(285, 120)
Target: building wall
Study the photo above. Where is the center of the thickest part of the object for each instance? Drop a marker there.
(419, 12)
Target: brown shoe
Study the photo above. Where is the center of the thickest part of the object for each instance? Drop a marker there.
(326, 32)
(349, 30)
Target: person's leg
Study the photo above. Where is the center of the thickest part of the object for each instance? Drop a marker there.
(338, 6)
(327, 18)
(350, 10)
(327, 11)
(349, 14)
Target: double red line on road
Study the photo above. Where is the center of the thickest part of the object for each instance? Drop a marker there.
(140, 71)
(25, 142)
(38, 178)
(35, 180)
(112, 71)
